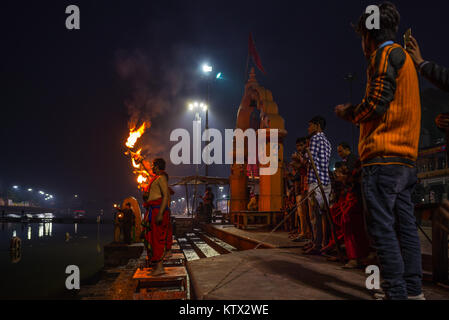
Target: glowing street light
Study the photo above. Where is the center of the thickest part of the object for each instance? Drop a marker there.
(41, 192)
(30, 189)
(218, 76)
(15, 187)
(194, 106)
(207, 68)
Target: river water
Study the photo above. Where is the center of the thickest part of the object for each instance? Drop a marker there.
(38, 272)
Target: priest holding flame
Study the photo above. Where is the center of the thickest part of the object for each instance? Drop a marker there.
(157, 233)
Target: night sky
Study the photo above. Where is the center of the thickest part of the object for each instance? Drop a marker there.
(67, 95)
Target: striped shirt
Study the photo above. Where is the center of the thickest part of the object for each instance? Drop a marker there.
(390, 113)
(320, 148)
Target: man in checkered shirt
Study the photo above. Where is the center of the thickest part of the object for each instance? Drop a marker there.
(320, 148)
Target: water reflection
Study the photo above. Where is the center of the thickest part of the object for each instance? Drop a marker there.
(41, 230)
(76, 228)
(48, 228)
(43, 245)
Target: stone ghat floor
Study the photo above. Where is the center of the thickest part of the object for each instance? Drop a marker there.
(281, 274)
(278, 273)
(114, 284)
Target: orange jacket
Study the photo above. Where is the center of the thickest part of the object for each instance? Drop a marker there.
(390, 113)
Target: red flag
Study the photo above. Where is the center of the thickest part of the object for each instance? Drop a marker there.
(253, 53)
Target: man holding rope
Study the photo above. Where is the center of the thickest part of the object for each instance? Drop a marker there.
(320, 149)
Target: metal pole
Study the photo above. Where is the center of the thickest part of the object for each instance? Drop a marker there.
(350, 77)
(326, 204)
(207, 126)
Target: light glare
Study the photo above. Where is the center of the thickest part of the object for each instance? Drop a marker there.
(207, 68)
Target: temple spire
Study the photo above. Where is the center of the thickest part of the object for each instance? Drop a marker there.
(252, 76)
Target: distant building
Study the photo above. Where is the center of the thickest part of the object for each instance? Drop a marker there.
(432, 163)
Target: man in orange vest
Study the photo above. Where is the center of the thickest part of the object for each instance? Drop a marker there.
(389, 117)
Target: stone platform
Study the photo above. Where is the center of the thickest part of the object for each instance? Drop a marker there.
(281, 274)
(277, 270)
(118, 254)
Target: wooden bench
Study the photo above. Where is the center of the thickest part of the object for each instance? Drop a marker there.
(176, 259)
(246, 219)
(171, 285)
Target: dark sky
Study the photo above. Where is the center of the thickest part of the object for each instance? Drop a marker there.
(67, 95)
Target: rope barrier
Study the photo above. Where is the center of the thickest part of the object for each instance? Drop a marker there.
(219, 284)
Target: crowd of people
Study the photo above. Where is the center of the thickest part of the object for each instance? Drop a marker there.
(342, 192)
(369, 199)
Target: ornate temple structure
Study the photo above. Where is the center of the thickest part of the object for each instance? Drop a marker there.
(258, 111)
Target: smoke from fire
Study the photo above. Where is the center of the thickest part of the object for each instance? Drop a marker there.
(156, 88)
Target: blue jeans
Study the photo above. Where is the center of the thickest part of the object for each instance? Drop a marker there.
(391, 223)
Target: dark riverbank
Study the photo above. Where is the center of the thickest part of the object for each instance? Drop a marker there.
(38, 272)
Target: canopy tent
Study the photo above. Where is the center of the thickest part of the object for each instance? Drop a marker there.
(196, 181)
(200, 180)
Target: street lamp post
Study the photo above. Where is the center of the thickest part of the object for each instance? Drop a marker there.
(207, 70)
(196, 106)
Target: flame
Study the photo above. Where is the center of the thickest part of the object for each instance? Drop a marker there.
(134, 135)
(141, 179)
(135, 165)
(142, 172)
